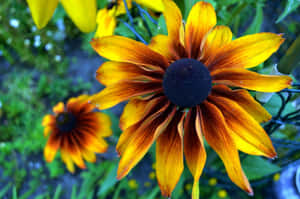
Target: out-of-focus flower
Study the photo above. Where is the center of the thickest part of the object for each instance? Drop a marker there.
(133, 184)
(106, 17)
(33, 29)
(14, 23)
(48, 46)
(37, 41)
(82, 12)
(77, 131)
(212, 181)
(222, 193)
(26, 42)
(57, 58)
(181, 83)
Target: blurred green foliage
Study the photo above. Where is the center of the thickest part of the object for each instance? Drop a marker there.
(37, 78)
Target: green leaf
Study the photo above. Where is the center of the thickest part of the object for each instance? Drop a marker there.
(257, 21)
(57, 192)
(162, 27)
(291, 5)
(257, 167)
(291, 59)
(109, 181)
(14, 193)
(4, 190)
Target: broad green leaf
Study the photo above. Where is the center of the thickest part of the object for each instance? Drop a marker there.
(257, 21)
(291, 5)
(256, 167)
(291, 59)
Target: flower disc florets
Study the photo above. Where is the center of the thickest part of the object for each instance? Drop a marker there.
(65, 122)
(187, 82)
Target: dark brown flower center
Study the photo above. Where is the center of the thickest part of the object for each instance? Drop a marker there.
(65, 122)
(187, 82)
(111, 5)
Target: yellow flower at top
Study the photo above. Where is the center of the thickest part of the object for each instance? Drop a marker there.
(77, 131)
(186, 86)
(82, 12)
(106, 17)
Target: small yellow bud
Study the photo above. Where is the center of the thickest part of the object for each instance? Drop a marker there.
(212, 181)
(222, 193)
(276, 177)
(152, 175)
(147, 184)
(133, 184)
(188, 187)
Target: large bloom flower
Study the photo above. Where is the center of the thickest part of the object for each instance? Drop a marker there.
(107, 17)
(82, 12)
(182, 87)
(76, 131)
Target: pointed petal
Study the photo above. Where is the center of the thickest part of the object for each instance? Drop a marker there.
(47, 130)
(113, 72)
(166, 46)
(247, 51)
(59, 108)
(194, 150)
(72, 147)
(173, 20)
(156, 5)
(89, 141)
(146, 134)
(88, 155)
(52, 146)
(134, 116)
(103, 124)
(218, 137)
(65, 156)
(169, 156)
(106, 24)
(82, 13)
(48, 120)
(245, 100)
(201, 19)
(122, 91)
(42, 11)
(122, 49)
(251, 80)
(215, 40)
(244, 127)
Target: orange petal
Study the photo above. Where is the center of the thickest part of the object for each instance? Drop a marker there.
(90, 141)
(133, 112)
(72, 147)
(251, 80)
(122, 49)
(122, 91)
(244, 128)
(52, 146)
(59, 108)
(65, 156)
(134, 116)
(218, 137)
(194, 150)
(104, 125)
(106, 24)
(173, 20)
(166, 46)
(215, 40)
(88, 155)
(201, 19)
(113, 72)
(247, 51)
(138, 145)
(169, 156)
(245, 100)
(48, 120)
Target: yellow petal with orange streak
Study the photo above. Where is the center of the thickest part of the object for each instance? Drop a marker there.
(245, 100)
(106, 24)
(169, 155)
(122, 49)
(251, 80)
(202, 18)
(244, 127)
(59, 108)
(247, 51)
(194, 150)
(218, 137)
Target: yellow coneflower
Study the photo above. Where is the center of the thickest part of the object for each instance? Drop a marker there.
(77, 131)
(183, 86)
